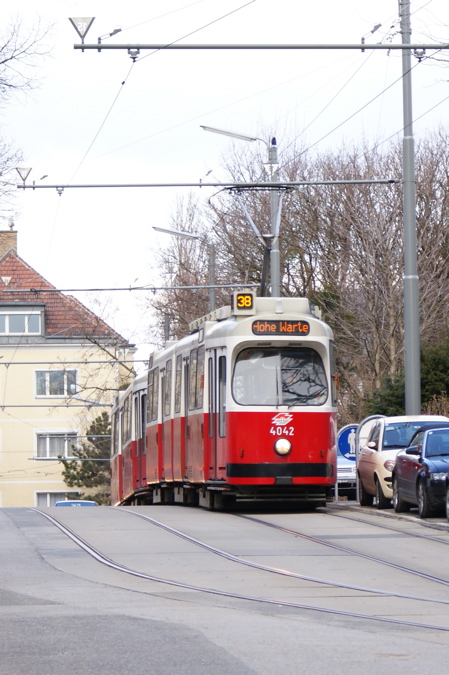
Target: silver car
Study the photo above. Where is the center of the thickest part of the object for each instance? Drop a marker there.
(346, 477)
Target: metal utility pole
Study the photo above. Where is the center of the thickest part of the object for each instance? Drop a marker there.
(275, 263)
(411, 282)
(212, 295)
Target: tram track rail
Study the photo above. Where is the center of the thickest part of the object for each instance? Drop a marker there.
(417, 535)
(103, 559)
(351, 551)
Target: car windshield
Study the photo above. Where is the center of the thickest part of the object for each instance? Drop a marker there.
(279, 376)
(437, 443)
(399, 434)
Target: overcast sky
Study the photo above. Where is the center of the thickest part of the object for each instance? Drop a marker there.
(97, 118)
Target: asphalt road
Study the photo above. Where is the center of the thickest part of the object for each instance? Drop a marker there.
(62, 611)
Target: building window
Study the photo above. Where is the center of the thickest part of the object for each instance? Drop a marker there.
(16, 323)
(44, 499)
(55, 445)
(55, 382)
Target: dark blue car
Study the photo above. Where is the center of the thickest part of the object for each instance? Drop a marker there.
(419, 473)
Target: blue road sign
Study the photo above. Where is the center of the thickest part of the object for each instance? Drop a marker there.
(346, 442)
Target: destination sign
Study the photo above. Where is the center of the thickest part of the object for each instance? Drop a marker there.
(280, 327)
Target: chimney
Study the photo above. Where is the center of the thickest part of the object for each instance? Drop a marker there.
(8, 241)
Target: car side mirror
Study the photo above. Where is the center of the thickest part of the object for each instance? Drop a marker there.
(372, 445)
(414, 450)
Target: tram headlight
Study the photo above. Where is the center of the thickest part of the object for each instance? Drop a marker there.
(282, 446)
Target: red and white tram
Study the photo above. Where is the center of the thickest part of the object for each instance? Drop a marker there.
(242, 409)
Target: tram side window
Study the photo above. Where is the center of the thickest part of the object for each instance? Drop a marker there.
(152, 394)
(167, 393)
(192, 378)
(154, 403)
(178, 380)
(150, 390)
(222, 396)
(200, 378)
(137, 426)
(126, 420)
(115, 434)
(333, 375)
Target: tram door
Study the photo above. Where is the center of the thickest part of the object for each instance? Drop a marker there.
(140, 440)
(212, 411)
(167, 427)
(216, 411)
(185, 458)
(143, 436)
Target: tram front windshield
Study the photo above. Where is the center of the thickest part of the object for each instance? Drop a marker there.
(279, 376)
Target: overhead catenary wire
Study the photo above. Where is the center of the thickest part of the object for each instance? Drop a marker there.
(399, 79)
(201, 116)
(162, 16)
(103, 123)
(362, 47)
(416, 119)
(154, 289)
(197, 30)
(275, 86)
(86, 362)
(343, 86)
(134, 60)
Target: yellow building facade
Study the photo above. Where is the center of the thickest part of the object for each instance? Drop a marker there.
(60, 368)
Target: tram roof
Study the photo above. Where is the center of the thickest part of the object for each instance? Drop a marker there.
(273, 306)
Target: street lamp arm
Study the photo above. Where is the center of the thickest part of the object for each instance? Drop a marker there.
(231, 134)
(211, 255)
(177, 233)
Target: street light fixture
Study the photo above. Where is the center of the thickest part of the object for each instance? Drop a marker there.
(108, 35)
(223, 132)
(211, 255)
(274, 206)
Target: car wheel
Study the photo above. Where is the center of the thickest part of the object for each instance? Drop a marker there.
(381, 501)
(365, 499)
(423, 503)
(399, 505)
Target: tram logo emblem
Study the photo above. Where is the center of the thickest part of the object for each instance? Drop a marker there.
(281, 419)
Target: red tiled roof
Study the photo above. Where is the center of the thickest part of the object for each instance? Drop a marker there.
(64, 315)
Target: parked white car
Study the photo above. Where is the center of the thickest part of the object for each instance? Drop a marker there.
(375, 462)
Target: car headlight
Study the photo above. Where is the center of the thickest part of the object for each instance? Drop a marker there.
(282, 446)
(389, 464)
(438, 476)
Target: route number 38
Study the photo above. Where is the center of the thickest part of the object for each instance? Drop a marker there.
(244, 301)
